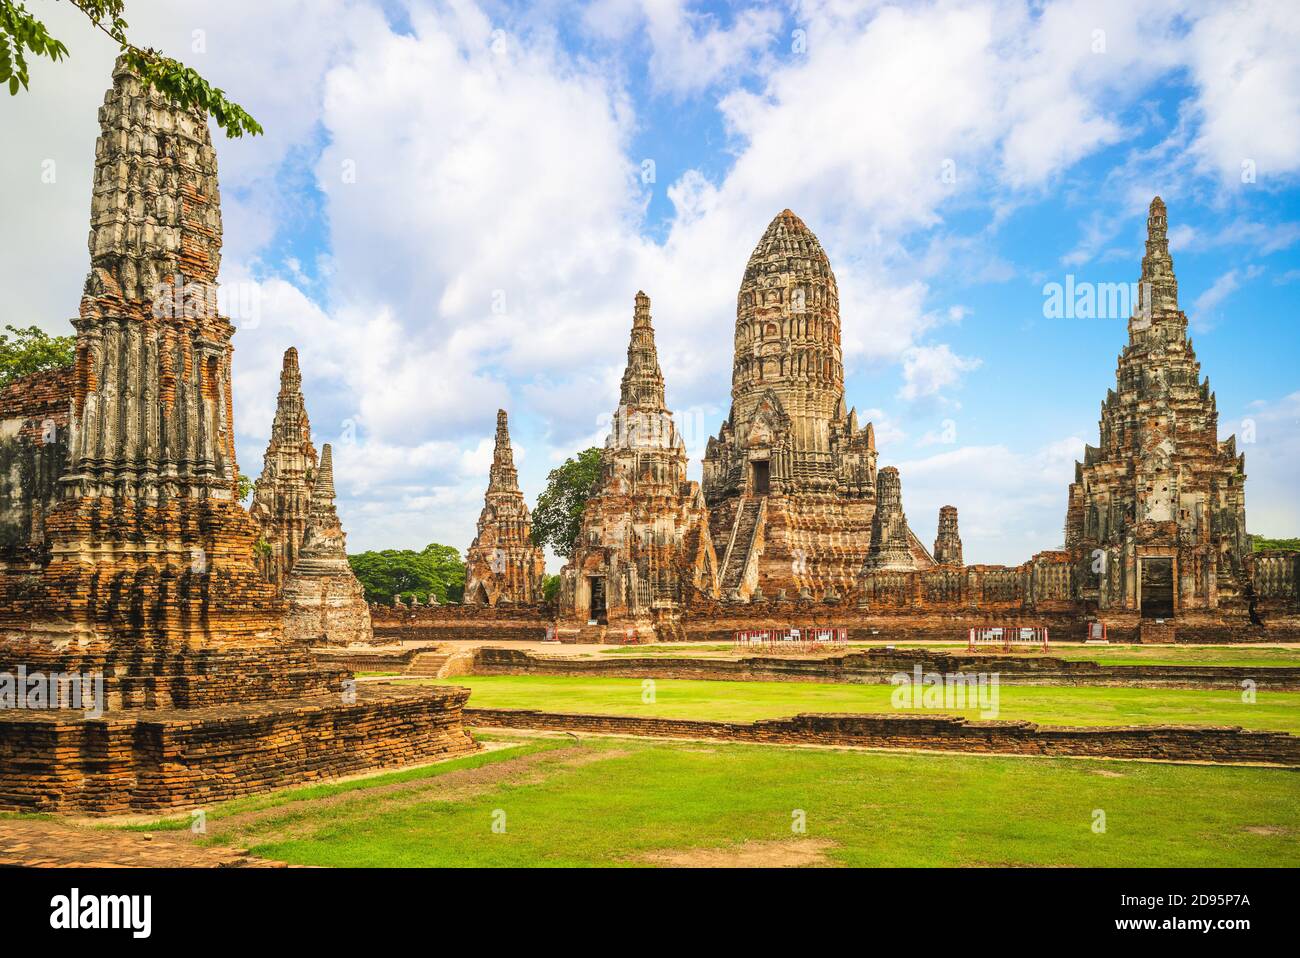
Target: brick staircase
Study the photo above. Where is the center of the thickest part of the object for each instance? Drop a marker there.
(427, 665)
(742, 541)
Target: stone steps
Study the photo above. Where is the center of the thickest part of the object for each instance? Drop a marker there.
(427, 664)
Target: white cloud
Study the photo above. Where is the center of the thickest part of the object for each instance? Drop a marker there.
(927, 370)
(1243, 58)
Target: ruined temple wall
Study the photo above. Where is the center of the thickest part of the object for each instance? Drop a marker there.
(438, 623)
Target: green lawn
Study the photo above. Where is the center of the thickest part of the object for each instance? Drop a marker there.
(1103, 654)
(747, 701)
(603, 802)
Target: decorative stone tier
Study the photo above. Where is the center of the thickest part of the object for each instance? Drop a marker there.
(877, 666)
(1169, 743)
(136, 762)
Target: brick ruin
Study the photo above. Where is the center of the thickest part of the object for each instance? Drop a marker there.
(325, 601)
(282, 494)
(644, 545)
(503, 564)
(126, 554)
(790, 479)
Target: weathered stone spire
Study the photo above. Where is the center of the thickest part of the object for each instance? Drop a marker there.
(282, 494)
(947, 545)
(503, 563)
(643, 381)
(1158, 287)
(149, 543)
(1160, 492)
(890, 542)
(326, 601)
(503, 476)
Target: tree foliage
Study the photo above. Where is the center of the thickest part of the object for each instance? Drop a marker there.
(22, 33)
(32, 350)
(557, 520)
(550, 588)
(1260, 543)
(435, 570)
(245, 487)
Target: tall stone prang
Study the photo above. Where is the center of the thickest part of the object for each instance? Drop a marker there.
(1156, 522)
(147, 542)
(326, 602)
(503, 563)
(126, 564)
(644, 547)
(791, 470)
(282, 494)
(890, 549)
(947, 544)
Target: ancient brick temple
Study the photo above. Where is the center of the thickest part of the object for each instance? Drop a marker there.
(503, 563)
(1156, 522)
(644, 548)
(126, 556)
(790, 479)
(326, 602)
(282, 494)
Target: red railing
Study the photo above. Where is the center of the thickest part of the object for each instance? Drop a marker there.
(1008, 637)
(809, 639)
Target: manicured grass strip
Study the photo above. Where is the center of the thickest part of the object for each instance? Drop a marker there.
(328, 789)
(1228, 655)
(637, 799)
(748, 701)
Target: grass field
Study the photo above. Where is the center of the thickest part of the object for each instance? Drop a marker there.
(602, 802)
(1104, 654)
(747, 701)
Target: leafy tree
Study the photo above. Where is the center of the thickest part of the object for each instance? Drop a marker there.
(245, 488)
(182, 85)
(557, 520)
(1259, 543)
(32, 350)
(436, 570)
(551, 588)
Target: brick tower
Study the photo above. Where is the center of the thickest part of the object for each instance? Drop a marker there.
(325, 600)
(503, 564)
(790, 478)
(644, 548)
(282, 494)
(1156, 522)
(136, 573)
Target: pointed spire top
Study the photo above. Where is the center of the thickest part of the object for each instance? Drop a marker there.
(290, 360)
(324, 485)
(643, 380)
(1158, 291)
(503, 477)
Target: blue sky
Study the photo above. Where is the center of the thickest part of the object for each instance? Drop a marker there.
(451, 211)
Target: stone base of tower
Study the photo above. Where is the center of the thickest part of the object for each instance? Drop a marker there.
(329, 610)
(140, 760)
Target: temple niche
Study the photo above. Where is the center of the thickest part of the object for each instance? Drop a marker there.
(282, 494)
(1156, 522)
(791, 477)
(503, 564)
(644, 548)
